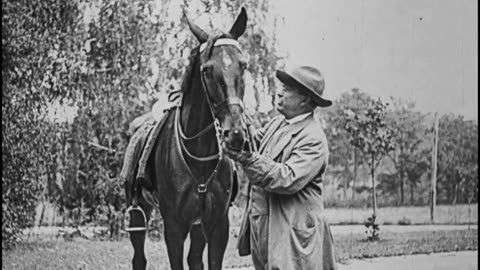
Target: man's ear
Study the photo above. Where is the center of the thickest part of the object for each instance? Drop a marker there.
(307, 102)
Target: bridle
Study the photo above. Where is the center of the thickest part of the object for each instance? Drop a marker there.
(215, 109)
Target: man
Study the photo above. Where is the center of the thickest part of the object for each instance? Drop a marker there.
(287, 229)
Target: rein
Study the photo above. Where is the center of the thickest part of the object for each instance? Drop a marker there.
(183, 137)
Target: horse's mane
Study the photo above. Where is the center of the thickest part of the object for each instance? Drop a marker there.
(195, 57)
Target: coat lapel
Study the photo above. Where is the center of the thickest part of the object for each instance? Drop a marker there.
(283, 141)
(270, 133)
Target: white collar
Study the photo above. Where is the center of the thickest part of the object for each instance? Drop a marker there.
(222, 41)
(298, 118)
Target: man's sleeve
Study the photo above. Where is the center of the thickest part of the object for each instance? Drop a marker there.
(304, 163)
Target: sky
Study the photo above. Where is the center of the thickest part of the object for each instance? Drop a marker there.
(425, 51)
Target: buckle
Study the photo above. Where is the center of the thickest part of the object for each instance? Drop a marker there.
(202, 188)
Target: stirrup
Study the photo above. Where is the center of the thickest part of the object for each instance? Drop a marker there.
(128, 219)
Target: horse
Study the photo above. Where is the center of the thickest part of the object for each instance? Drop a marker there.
(192, 181)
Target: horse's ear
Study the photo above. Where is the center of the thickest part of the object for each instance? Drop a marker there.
(201, 35)
(240, 24)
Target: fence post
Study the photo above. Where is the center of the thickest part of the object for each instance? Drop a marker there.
(433, 197)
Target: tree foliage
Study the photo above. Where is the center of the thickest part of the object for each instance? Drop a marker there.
(344, 158)
(408, 170)
(38, 55)
(457, 159)
(117, 46)
(411, 156)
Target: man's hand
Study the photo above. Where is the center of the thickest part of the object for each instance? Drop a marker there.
(241, 156)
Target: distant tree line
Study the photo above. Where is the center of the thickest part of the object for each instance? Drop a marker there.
(405, 172)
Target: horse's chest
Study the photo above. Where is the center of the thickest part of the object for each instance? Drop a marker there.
(182, 189)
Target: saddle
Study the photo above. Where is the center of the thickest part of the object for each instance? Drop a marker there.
(137, 154)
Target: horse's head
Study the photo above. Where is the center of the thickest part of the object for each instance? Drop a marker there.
(222, 65)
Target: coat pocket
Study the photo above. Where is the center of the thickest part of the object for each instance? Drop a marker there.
(303, 234)
(303, 238)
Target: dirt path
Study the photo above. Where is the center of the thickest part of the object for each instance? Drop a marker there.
(464, 260)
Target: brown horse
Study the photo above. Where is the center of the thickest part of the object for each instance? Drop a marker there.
(192, 181)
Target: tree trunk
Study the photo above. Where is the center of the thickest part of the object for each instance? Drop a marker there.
(82, 210)
(373, 186)
(345, 175)
(470, 199)
(354, 172)
(42, 214)
(54, 214)
(402, 191)
(64, 216)
(469, 212)
(412, 192)
(455, 192)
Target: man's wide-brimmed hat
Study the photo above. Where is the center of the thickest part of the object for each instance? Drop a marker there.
(308, 80)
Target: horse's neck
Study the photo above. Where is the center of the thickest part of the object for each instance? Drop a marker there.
(195, 117)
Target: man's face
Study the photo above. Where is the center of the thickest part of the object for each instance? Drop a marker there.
(289, 102)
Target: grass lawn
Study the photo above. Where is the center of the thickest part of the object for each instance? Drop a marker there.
(395, 244)
(52, 253)
(444, 214)
(414, 215)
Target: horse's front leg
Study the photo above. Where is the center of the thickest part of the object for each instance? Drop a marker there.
(218, 243)
(197, 245)
(139, 262)
(175, 235)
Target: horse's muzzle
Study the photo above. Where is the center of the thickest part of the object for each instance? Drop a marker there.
(235, 138)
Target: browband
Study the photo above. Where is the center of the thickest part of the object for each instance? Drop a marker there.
(222, 41)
